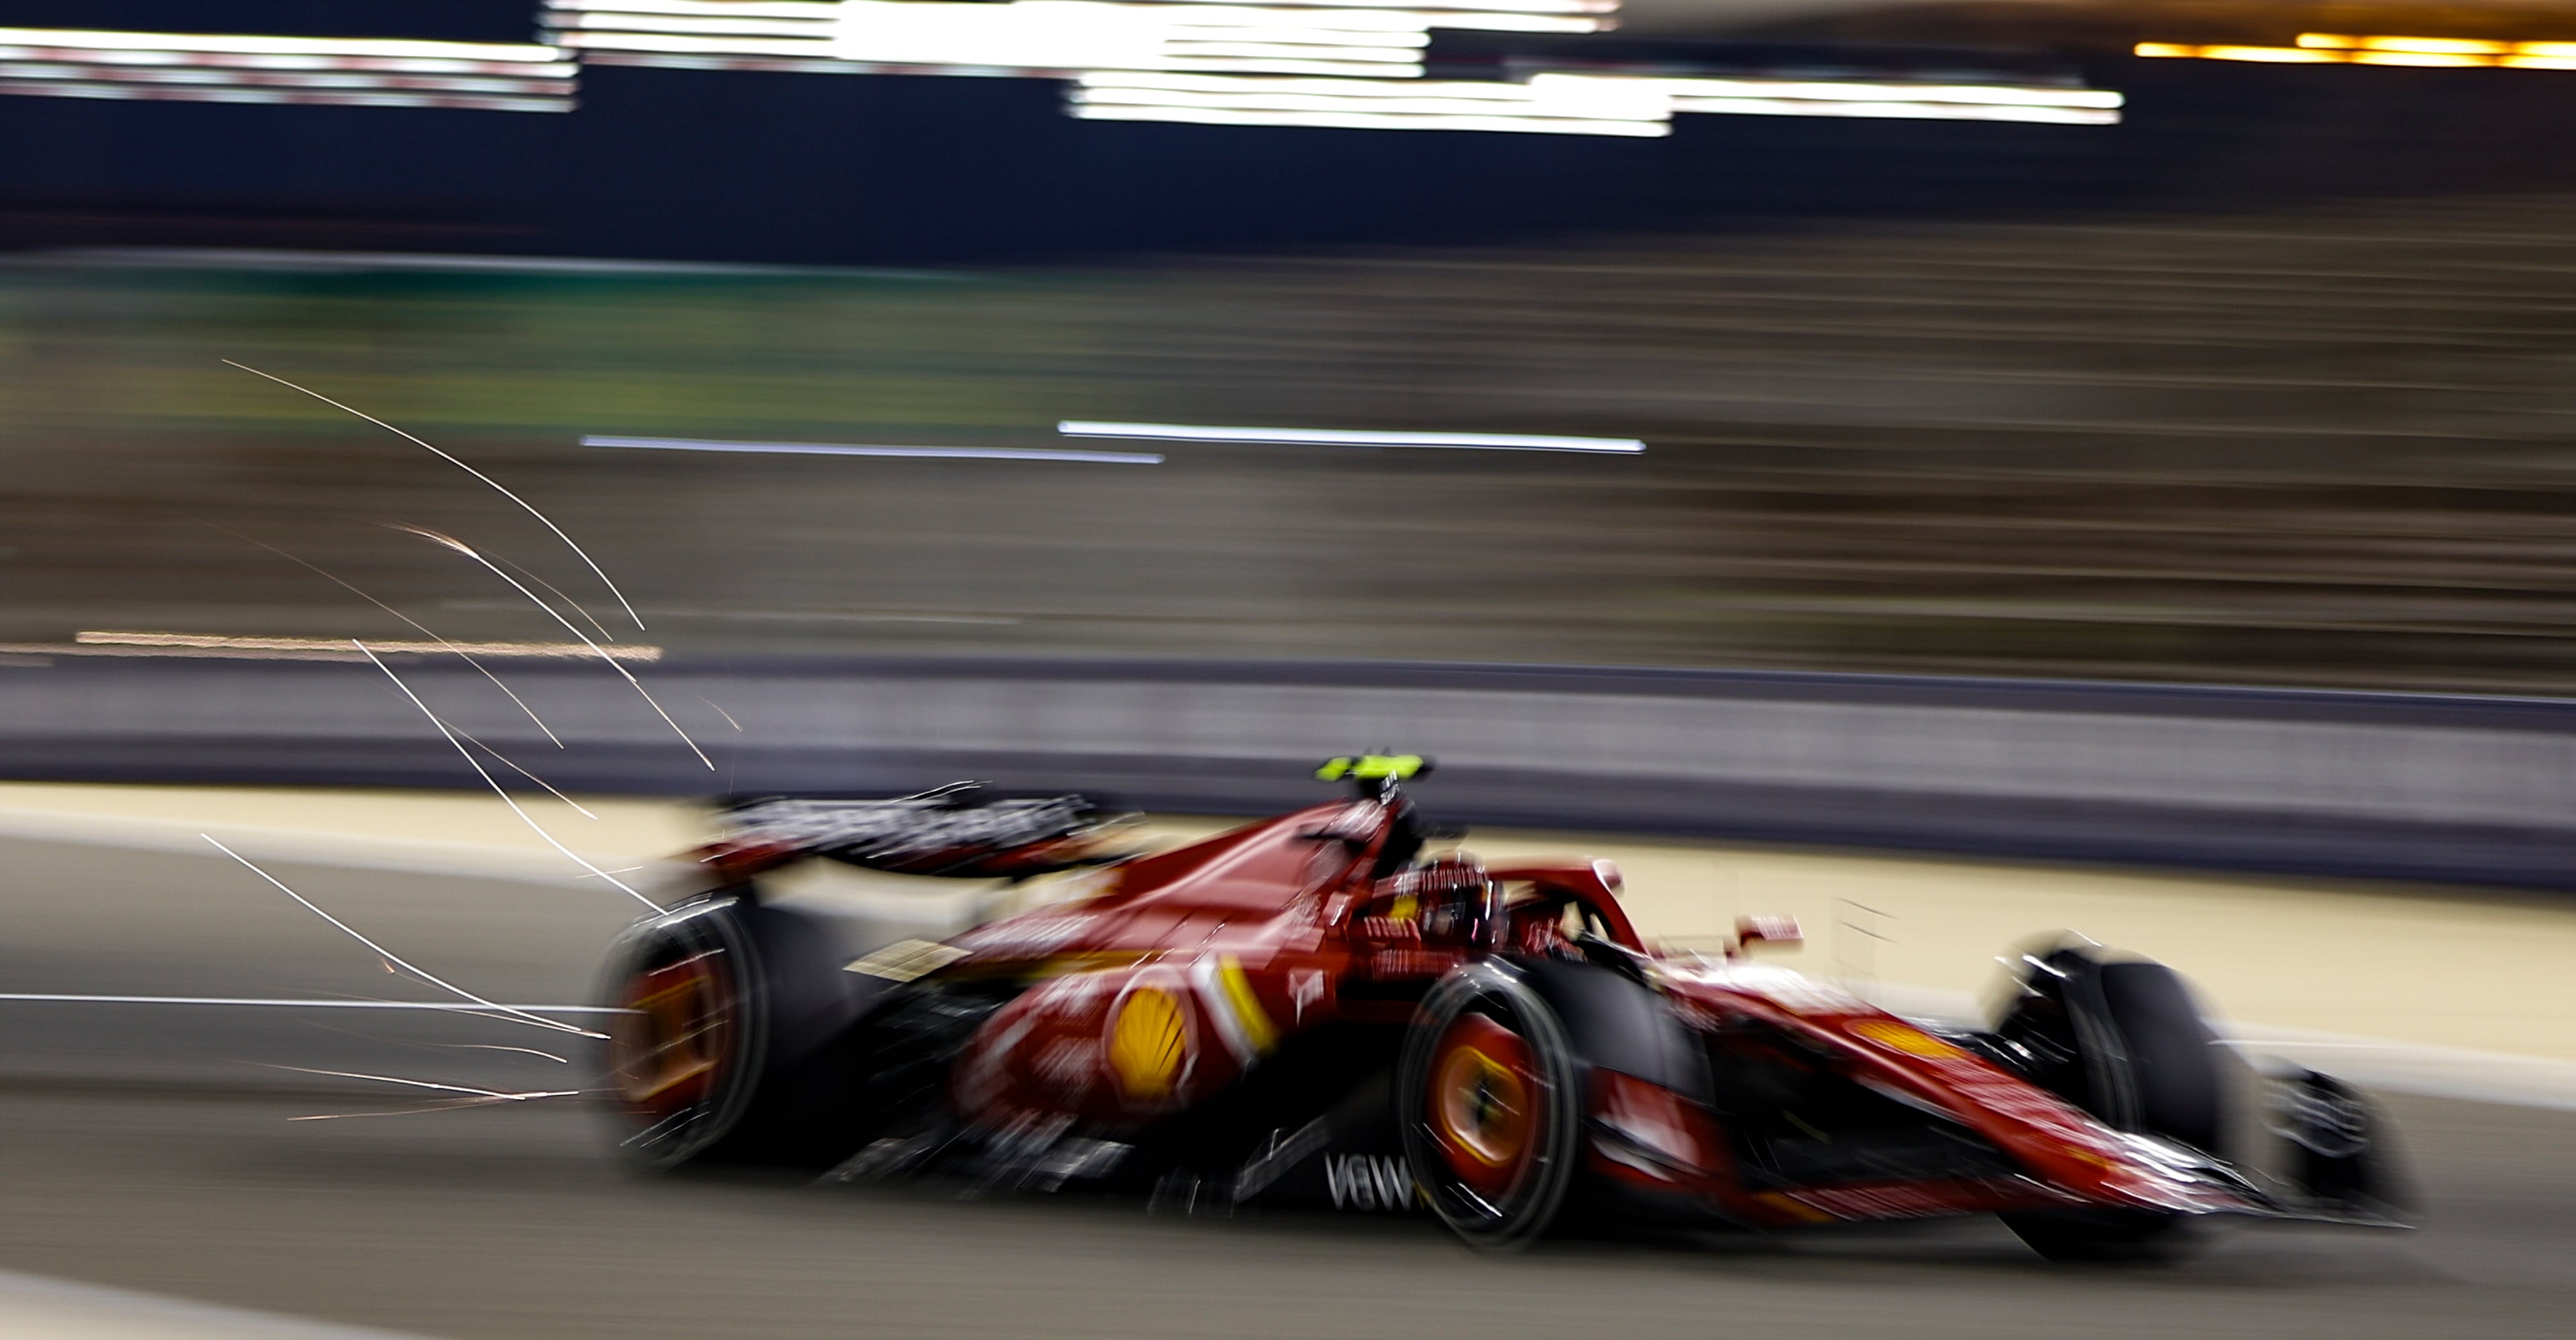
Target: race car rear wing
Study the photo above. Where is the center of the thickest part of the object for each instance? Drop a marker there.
(963, 830)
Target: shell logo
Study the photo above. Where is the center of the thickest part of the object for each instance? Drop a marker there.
(1905, 1038)
(1147, 1043)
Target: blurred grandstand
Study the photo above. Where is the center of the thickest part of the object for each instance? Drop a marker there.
(836, 133)
(2265, 378)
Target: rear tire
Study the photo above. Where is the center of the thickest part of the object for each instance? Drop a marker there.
(683, 1064)
(1488, 1101)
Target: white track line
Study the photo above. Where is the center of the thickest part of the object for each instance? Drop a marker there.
(53, 1309)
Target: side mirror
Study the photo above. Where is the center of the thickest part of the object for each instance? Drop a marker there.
(1766, 932)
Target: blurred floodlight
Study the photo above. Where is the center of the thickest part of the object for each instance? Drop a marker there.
(2348, 49)
(855, 449)
(1571, 104)
(1060, 37)
(1815, 97)
(218, 67)
(1025, 34)
(2434, 46)
(1363, 104)
(1337, 437)
(153, 46)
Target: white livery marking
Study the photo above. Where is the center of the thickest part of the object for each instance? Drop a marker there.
(1372, 1183)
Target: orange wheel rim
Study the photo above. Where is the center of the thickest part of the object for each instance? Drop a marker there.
(1483, 1103)
(671, 1048)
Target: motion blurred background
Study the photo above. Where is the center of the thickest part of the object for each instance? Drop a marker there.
(1995, 433)
(2249, 361)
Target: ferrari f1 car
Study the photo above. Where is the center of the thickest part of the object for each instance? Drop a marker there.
(1311, 1010)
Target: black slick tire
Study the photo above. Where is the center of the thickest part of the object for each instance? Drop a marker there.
(2134, 1051)
(684, 1061)
(1521, 1199)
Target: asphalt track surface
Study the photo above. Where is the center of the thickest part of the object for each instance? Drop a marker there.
(151, 1148)
(515, 1223)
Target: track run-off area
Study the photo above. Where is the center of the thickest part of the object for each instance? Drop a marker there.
(163, 1174)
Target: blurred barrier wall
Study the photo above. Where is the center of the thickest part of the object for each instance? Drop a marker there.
(2372, 785)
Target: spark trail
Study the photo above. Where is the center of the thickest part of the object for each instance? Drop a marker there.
(495, 484)
(506, 761)
(497, 789)
(424, 630)
(460, 546)
(390, 956)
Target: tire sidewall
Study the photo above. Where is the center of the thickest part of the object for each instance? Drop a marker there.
(708, 924)
(1532, 1204)
(2149, 1065)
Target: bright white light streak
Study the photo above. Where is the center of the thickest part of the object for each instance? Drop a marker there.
(1072, 34)
(1814, 90)
(833, 449)
(1238, 53)
(283, 75)
(132, 92)
(1562, 103)
(1476, 7)
(1842, 98)
(1906, 111)
(1362, 28)
(820, 11)
(1335, 437)
(98, 40)
(1349, 71)
(638, 14)
(744, 25)
(1055, 35)
(814, 48)
(390, 956)
(1362, 117)
(495, 484)
(533, 826)
(288, 1003)
(1595, 107)
(1521, 23)
(462, 547)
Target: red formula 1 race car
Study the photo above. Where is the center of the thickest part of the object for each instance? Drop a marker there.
(1310, 1010)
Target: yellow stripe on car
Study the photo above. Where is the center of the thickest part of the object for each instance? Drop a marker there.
(1255, 1021)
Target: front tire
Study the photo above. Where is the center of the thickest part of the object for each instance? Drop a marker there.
(1488, 1100)
(2125, 1041)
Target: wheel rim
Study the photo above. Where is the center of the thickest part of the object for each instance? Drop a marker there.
(671, 1049)
(1484, 1104)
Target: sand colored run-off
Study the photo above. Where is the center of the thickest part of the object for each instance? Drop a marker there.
(2428, 966)
(33, 1307)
